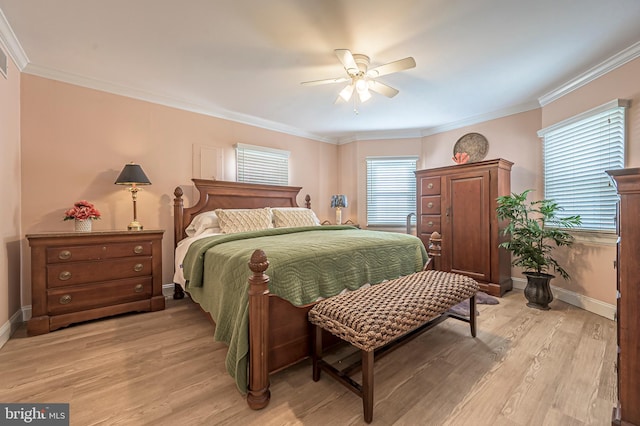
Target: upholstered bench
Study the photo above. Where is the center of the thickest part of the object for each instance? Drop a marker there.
(376, 319)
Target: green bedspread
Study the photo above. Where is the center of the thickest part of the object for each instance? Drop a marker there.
(304, 264)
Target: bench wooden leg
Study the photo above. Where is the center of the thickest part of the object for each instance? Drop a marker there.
(316, 356)
(472, 315)
(367, 385)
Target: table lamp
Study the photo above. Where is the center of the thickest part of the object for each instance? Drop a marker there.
(133, 175)
(338, 202)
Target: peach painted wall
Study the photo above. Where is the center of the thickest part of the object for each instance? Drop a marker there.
(10, 195)
(513, 138)
(353, 158)
(591, 263)
(76, 140)
(621, 83)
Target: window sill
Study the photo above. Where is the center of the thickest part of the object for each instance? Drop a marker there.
(603, 238)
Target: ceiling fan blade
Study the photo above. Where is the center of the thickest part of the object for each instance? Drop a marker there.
(391, 67)
(325, 81)
(382, 88)
(346, 58)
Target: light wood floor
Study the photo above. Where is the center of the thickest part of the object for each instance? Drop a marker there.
(526, 367)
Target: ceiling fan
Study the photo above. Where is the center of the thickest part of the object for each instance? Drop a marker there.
(362, 79)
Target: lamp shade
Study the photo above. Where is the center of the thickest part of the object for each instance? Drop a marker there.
(339, 200)
(132, 174)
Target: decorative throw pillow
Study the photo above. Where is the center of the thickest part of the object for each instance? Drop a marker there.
(243, 220)
(202, 222)
(288, 217)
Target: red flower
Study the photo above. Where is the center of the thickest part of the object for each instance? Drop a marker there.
(82, 210)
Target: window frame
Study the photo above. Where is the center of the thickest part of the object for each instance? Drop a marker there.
(410, 193)
(584, 183)
(273, 165)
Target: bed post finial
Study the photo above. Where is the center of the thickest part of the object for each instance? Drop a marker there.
(258, 392)
(178, 215)
(435, 249)
(307, 201)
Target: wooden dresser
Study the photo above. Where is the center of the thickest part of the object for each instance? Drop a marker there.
(80, 276)
(459, 202)
(627, 182)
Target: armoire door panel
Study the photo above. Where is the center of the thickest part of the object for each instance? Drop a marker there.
(467, 225)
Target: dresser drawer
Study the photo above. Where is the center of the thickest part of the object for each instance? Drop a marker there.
(429, 223)
(66, 274)
(430, 204)
(96, 295)
(430, 186)
(98, 252)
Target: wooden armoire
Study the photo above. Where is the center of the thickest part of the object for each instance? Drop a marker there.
(627, 182)
(459, 202)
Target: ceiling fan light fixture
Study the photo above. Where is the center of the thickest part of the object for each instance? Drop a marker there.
(362, 86)
(364, 95)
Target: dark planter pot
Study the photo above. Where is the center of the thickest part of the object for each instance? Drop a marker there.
(538, 290)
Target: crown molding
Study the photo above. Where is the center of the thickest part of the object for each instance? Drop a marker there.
(630, 53)
(142, 95)
(616, 103)
(420, 133)
(381, 135)
(9, 42)
(91, 83)
(528, 106)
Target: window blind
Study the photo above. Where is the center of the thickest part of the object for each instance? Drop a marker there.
(576, 154)
(256, 164)
(391, 190)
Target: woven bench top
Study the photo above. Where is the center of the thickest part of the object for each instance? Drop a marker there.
(371, 317)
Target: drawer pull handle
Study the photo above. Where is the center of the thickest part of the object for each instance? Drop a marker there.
(138, 288)
(137, 249)
(430, 205)
(430, 185)
(65, 300)
(64, 255)
(64, 275)
(430, 223)
(138, 267)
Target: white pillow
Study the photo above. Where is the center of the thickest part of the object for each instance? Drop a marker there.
(201, 223)
(243, 220)
(288, 217)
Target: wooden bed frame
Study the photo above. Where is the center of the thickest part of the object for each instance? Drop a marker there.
(279, 333)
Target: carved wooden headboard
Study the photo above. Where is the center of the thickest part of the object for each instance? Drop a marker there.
(219, 194)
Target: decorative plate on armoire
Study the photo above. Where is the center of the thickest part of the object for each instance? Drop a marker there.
(474, 144)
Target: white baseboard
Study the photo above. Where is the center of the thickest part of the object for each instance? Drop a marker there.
(10, 326)
(584, 302)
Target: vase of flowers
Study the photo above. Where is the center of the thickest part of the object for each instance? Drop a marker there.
(82, 213)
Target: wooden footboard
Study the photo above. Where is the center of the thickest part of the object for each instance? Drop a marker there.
(279, 333)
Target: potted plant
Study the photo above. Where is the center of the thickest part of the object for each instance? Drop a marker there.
(535, 229)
